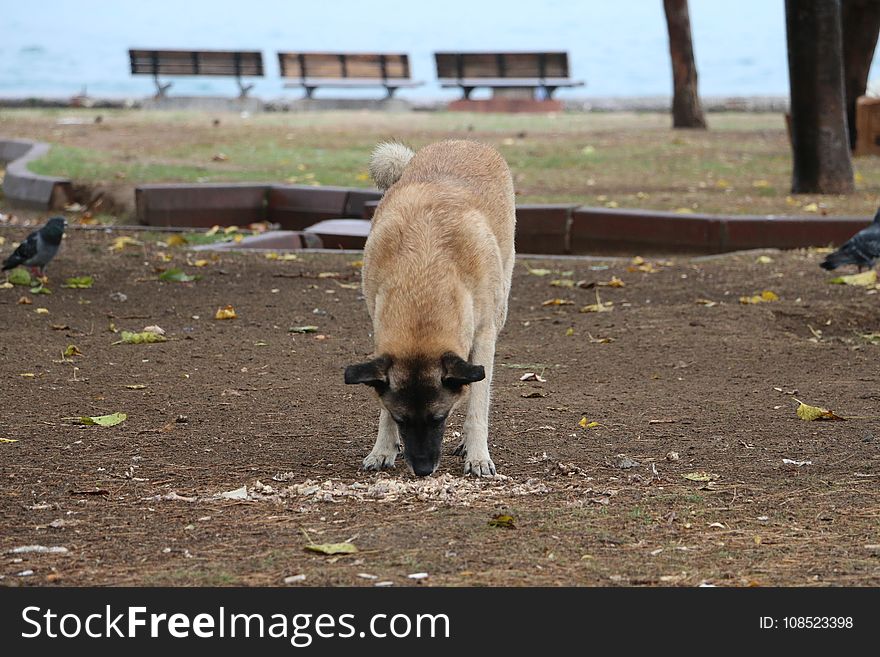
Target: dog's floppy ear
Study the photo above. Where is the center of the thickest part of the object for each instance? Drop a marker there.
(458, 372)
(372, 373)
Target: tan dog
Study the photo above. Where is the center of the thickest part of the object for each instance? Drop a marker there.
(436, 276)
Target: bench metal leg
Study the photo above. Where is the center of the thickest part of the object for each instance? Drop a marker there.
(309, 91)
(243, 88)
(467, 92)
(161, 89)
(549, 91)
(389, 92)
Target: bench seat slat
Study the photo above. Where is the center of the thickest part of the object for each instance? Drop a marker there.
(509, 82)
(353, 82)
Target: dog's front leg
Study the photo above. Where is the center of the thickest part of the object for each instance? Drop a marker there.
(474, 447)
(387, 444)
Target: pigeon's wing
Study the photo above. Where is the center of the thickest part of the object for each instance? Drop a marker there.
(25, 251)
(868, 242)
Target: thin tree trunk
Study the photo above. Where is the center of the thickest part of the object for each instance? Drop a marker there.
(819, 138)
(861, 25)
(687, 112)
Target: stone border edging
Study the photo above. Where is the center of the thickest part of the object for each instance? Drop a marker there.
(558, 228)
(27, 189)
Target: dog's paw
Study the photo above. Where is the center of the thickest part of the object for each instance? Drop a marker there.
(479, 467)
(379, 461)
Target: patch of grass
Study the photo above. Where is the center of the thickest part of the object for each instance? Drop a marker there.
(619, 159)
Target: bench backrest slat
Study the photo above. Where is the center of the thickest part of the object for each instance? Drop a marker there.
(502, 65)
(196, 62)
(343, 65)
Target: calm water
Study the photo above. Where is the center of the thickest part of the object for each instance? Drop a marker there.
(55, 48)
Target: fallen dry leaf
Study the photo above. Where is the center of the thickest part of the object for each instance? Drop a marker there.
(121, 243)
(558, 302)
(864, 279)
(764, 297)
(332, 548)
(227, 312)
(614, 282)
(811, 413)
(598, 307)
(586, 424)
(502, 521)
(700, 475)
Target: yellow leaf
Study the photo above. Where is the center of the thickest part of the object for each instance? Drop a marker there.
(121, 243)
(611, 204)
(562, 282)
(598, 307)
(539, 272)
(858, 177)
(238, 237)
(864, 279)
(230, 229)
(558, 302)
(569, 331)
(357, 263)
(281, 256)
(614, 282)
(502, 521)
(201, 263)
(8, 440)
(42, 311)
(810, 207)
(683, 211)
(722, 184)
(763, 260)
(214, 230)
(176, 240)
(586, 424)
(760, 183)
(24, 301)
(28, 375)
(329, 274)
(811, 413)
(227, 312)
(706, 302)
(6, 285)
(72, 351)
(764, 297)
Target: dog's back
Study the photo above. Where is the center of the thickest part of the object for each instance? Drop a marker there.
(442, 242)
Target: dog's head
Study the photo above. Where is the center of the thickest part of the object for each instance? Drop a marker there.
(419, 393)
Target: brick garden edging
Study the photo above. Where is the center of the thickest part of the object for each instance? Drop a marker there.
(541, 228)
(25, 188)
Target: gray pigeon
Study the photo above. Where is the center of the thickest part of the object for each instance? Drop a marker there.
(39, 247)
(862, 249)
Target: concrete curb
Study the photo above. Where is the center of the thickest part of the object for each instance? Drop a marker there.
(24, 188)
(557, 229)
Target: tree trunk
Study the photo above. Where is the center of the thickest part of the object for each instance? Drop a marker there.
(819, 138)
(861, 25)
(687, 112)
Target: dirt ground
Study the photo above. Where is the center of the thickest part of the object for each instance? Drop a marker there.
(682, 387)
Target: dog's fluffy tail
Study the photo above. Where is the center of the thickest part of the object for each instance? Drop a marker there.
(387, 163)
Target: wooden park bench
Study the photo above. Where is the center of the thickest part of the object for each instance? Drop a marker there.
(197, 62)
(513, 74)
(348, 70)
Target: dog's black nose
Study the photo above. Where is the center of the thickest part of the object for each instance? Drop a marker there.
(423, 468)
